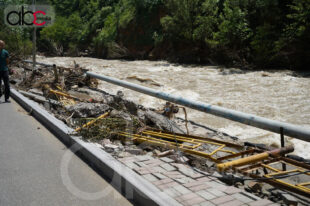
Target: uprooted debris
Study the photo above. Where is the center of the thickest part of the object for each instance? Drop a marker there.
(75, 99)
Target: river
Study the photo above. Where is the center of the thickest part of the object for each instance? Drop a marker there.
(276, 95)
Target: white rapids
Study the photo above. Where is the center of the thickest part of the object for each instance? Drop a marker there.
(275, 95)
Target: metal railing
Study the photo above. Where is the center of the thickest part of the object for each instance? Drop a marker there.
(244, 118)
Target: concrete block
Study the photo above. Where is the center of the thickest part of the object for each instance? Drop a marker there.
(181, 189)
(142, 171)
(232, 190)
(199, 187)
(193, 201)
(172, 192)
(140, 164)
(159, 170)
(221, 200)
(159, 176)
(195, 183)
(144, 158)
(190, 172)
(164, 181)
(215, 192)
(219, 186)
(134, 151)
(167, 185)
(206, 195)
(233, 203)
(207, 203)
(253, 197)
(176, 176)
(242, 198)
(167, 160)
(187, 197)
(261, 202)
(184, 180)
(153, 161)
(289, 199)
(150, 178)
(168, 167)
(131, 165)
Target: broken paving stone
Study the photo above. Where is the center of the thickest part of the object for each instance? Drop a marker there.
(168, 167)
(210, 164)
(110, 148)
(184, 180)
(105, 141)
(124, 154)
(159, 176)
(144, 158)
(134, 151)
(156, 152)
(166, 159)
(183, 159)
(149, 154)
(289, 199)
(254, 186)
(150, 177)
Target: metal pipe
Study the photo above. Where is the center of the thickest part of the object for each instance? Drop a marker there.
(244, 118)
(255, 158)
(34, 39)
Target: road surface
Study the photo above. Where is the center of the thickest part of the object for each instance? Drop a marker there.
(30, 166)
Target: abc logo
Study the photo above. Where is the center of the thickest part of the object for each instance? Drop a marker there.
(27, 16)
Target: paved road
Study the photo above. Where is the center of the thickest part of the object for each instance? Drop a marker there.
(30, 162)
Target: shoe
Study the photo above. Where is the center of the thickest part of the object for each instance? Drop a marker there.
(7, 101)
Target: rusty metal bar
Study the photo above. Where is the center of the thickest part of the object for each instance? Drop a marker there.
(92, 122)
(255, 158)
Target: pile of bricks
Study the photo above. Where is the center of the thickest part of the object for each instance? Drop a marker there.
(187, 186)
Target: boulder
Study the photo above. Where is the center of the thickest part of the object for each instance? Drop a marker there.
(161, 122)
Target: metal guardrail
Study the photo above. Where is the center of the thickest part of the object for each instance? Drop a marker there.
(244, 118)
(290, 130)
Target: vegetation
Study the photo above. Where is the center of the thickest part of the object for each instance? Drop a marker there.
(246, 33)
(17, 39)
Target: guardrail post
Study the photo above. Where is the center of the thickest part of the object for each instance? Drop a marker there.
(282, 145)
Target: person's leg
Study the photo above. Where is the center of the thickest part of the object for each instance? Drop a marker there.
(6, 85)
(1, 83)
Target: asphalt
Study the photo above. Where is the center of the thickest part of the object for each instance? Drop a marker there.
(32, 163)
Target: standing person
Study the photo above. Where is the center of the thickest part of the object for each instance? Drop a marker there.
(4, 71)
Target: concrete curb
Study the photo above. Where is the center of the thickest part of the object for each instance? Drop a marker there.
(133, 186)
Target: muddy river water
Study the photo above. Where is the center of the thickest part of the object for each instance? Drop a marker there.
(275, 95)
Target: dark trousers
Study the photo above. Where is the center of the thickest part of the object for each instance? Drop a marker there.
(4, 75)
